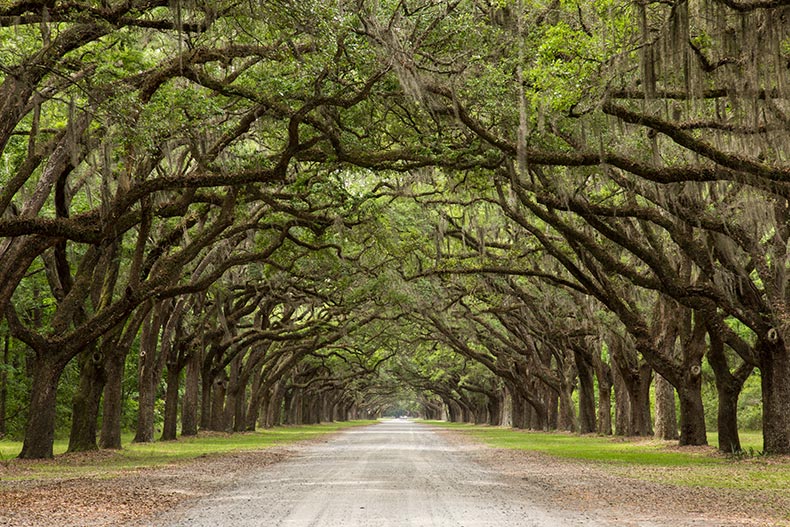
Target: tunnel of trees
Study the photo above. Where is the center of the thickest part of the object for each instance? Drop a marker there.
(229, 215)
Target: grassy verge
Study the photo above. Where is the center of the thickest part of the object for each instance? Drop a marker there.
(141, 455)
(650, 460)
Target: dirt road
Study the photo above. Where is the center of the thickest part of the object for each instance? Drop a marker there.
(396, 473)
(393, 473)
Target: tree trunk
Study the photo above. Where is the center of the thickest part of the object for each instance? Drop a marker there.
(775, 373)
(170, 425)
(189, 407)
(255, 406)
(146, 403)
(639, 422)
(507, 407)
(148, 374)
(666, 426)
(234, 419)
(218, 389)
(256, 415)
(692, 412)
(314, 407)
(206, 384)
(4, 383)
(584, 367)
(112, 403)
(293, 408)
(552, 400)
(519, 410)
(327, 408)
(641, 406)
(604, 375)
(495, 403)
(40, 429)
(467, 415)
(115, 348)
(622, 409)
(86, 401)
(239, 410)
(537, 411)
(727, 419)
(728, 388)
(274, 416)
(566, 420)
(338, 410)
(453, 411)
(636, 389)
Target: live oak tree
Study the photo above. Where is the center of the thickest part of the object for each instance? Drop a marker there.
(174, 158)
(299, 207)
(567, 100)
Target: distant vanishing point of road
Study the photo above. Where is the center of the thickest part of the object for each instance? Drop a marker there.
(395, 473)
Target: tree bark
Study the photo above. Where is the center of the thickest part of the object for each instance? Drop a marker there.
(635, 381)
(728, 388)
(218, 388)
(234, 416)
(86, 401)
(147, 375)
(170, 424)
(622, 408)
(115, 352)
(566, 418)
(314, 409)
(692, 412)
(666, 426)
(266, 417)
(548, 401)
(775, 372)
(255, 403)
(274, 415)
(206, 384)
(603, 373)
(293, 407)
(552, 400)
(239, 408)
(112, 403)
(4, 384)
(189, 408)
(584, 368)
(519, 411)
(495, 405)
(640, 406)
(453, 411)
(146, 399)
(637, 391)
(40, 429)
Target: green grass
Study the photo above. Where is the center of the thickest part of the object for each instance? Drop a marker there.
(646, 459)
(141, 455)
(749, 440)
(165, 451)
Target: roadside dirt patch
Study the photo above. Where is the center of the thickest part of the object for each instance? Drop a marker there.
(126, 499)
(588, 487)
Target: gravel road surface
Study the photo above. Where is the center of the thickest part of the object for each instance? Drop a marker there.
(395, 473)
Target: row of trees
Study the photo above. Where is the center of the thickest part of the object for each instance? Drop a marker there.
(311, 211)
(642, 171)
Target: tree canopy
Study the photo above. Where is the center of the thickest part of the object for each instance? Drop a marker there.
(541, 213)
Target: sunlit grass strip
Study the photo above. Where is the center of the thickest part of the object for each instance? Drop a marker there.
(646, 459)
(141, 455)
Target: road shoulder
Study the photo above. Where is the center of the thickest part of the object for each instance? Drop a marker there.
(593, 489)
